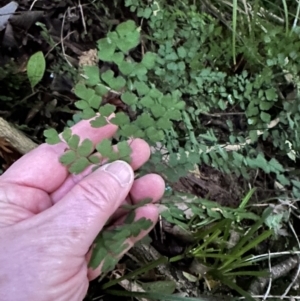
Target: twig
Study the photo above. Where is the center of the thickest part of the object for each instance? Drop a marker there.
(32, 5)
(222, 114)
(270, 279)
(275, 254)
(247, 14)
(264, 12)
(216, 12)
(62, 39)
(277, 271)
(82, 17)
(298, 270)
(297, 16)
(56, 44)
(17, 139)
(272, 296)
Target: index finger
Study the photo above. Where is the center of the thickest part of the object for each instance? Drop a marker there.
(41, 168)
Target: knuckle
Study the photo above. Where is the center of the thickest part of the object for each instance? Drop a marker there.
(96, 193)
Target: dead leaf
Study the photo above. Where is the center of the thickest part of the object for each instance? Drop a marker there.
(6, 12)
(89, 58)
(9, 40)
(25, 20)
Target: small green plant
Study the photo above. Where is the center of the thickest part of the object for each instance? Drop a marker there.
(171, 72)
(109, 244)
(36, 67)
(154, 115)
(212, 227)
(12, 83)
(192, 213)
(226, 263)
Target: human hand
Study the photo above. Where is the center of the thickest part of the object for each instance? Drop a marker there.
(49, 218)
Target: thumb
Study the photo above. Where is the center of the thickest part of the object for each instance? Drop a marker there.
(84, 210)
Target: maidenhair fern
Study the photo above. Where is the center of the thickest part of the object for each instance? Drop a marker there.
(167, 90)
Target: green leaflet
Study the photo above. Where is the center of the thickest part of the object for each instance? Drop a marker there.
(110, 243)
(36, 67)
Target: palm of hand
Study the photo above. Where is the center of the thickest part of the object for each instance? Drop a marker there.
(49, 219)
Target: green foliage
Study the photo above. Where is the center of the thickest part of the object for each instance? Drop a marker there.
(121, 151)
(110, 243)
(190, 212)
(159, 296)
(80, 155)
(155, 111)
(36, 67)
(185, 68)
(52, 136)
(229, 262)
(159, 111)
(222, 239)
(124, 38)
(175, 90)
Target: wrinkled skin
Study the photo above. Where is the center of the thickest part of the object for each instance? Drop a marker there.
(49, 218)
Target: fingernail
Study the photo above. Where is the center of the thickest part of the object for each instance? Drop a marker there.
(121, 171)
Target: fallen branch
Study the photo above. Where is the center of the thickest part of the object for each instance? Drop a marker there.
(16, 138)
